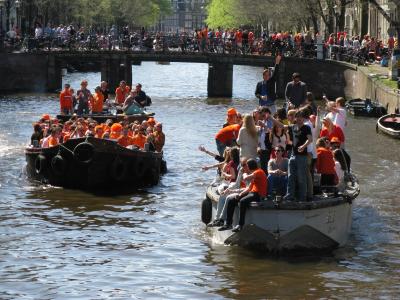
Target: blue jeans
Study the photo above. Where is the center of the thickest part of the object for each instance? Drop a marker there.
(277, 184)
(221, 146)
(297, 178)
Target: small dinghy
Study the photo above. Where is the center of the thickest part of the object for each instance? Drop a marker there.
(390, 125)
(290, 227)
(365, 108)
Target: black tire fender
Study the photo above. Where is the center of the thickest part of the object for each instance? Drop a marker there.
(206, 211)
(119, 169)
(40, 164)
(84, 152)
(58, 165)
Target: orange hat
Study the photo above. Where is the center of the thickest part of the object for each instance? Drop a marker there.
(335, 140)
(232, 112)
(116, 127)
(98, 127)
(151, 121)
(46, 117)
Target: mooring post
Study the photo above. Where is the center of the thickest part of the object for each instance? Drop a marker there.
(220, 76)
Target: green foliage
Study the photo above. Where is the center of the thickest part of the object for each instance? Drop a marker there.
(103, 12)
(223, 13)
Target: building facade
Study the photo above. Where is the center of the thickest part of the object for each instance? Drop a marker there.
(187, 15)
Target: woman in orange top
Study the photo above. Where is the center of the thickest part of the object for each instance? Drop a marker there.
(139, 139)
(54, 138)
(325, 164)
(121, 93)
(66, 100)
(97, 101)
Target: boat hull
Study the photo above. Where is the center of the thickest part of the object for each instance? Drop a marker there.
(359, 108)
(390, 125)
(311, 227)
(104, 165)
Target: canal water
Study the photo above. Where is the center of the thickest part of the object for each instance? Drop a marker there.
(64, 244)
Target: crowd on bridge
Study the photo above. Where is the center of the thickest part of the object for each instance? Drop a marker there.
(241, 41)
(292, 152)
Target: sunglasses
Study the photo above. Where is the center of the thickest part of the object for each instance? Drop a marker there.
(278, 150)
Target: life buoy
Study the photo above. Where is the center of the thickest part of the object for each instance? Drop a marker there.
(84, 152)
(206, 211)
(118, 169)
(40, 164)
(58, 165)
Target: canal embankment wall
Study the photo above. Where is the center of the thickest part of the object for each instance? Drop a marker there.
(41, 72)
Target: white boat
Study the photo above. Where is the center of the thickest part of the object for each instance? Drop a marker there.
(320, 225)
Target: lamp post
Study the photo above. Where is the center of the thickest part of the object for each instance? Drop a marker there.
(17, 6)
(1, 24)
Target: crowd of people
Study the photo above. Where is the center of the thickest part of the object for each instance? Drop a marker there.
(146, 135)
(130, 101)
(281, 152)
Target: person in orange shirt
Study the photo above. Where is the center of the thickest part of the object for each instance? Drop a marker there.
(121, 93)
(226, 137)
(97, 101)
(116, 130)
(66, 100)
(139, 139)
(254, 193)
(54, 138)
(125, 140)
(325, 164)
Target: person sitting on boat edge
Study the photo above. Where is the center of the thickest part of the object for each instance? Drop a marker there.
(278, 172)
(254, 193)
(121, 93)
(158, 137)
(230, 193)
(130, 106)
(37, 135)
(141, 98)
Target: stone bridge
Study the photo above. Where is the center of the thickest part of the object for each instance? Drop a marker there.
(41, 72)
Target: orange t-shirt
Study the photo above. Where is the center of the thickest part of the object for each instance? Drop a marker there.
(228, 133)
(325, 162)
(66, 99)
(121, 94)
(125, 141)
(139, 140)
(97, 103)
(259, 183)
(53, 141)
(114, 135)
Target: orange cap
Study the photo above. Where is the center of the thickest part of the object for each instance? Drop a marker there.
(335, 140)
(151, 121)
(232, 112)
(46, 117)
(116, 127)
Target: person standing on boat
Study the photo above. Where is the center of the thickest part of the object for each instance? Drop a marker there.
(254, 193)
(226, 137)
(248, 138)
(298, 167)
(97, 101)
(296, 92)
(83, 98)
(265, 89)
(278, 172)
(66, 100)
(121, 93)
(104, 90)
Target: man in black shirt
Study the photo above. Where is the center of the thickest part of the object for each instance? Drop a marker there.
(298, 168)
(141, 97)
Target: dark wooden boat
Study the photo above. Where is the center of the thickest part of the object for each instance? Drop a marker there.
(94, 164)
(365, 108)
(390, 125)
(101, 118)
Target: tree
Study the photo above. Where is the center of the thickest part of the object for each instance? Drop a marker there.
(223, 13)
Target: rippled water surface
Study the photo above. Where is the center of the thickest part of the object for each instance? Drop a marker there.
(64, 244)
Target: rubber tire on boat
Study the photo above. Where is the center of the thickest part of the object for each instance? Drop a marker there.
(58, 165)
(84, 152)
(140, 168)
(118, 169)
(40, 164)
(206, 211)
